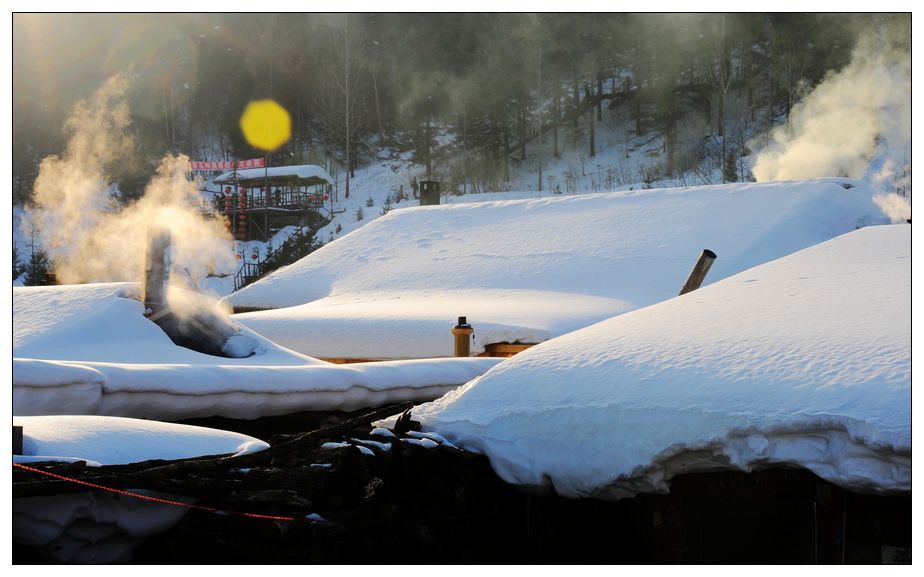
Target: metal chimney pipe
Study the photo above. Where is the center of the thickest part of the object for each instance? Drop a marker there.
(700, 269)
(460, 334)
(155, 271)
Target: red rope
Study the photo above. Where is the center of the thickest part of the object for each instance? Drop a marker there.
(149, 498)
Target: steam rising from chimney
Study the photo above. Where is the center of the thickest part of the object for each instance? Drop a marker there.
(81, 227)
(855, 123)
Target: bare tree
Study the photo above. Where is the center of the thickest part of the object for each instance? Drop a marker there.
(340, 91)
(718, 70)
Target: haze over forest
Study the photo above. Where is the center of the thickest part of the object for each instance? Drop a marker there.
(465, 93)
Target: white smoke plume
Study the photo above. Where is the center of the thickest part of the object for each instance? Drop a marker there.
(894, 189)
(87, 236)
(851, 124)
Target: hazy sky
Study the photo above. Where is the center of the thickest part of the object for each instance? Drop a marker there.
(62, 57)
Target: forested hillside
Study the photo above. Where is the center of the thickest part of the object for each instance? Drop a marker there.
(463, 93)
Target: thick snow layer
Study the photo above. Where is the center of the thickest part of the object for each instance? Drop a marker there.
(118, 441)
(44, 387)
(182, 391)
(303, 172)
(530, 270)
(803, 361)
(87, 349)
(173, 392)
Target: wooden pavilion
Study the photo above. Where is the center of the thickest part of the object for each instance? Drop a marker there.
(257, 202)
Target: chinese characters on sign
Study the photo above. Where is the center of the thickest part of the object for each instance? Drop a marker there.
(226, 164)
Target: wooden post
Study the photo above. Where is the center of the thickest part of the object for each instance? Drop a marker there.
(266, 193)
(17, 440)
(700, 269)
(460, 333)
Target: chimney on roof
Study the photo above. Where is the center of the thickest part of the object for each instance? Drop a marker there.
(155, 271)
(700, 269)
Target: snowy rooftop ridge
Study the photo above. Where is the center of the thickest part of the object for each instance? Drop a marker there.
(804, 361)
(533, 269)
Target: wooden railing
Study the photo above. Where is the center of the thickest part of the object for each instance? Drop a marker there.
(248, 273)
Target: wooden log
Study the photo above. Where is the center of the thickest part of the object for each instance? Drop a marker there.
(17, 440)
(504, 349)
(700, 269)
(348, 360)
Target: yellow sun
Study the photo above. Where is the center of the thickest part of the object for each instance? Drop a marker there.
(266, 125)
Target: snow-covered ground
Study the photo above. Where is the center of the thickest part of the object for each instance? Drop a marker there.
(804, 361)
(88, 349)
(529, 270)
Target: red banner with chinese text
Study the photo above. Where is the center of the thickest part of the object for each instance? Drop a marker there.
(226, 164)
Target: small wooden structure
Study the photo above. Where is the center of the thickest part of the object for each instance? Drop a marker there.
(504, 349)
(349, 360)
(429, 192)
(259, 201)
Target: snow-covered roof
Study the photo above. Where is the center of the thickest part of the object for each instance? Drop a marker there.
(88, 349)
(103, 527)
(118, 441)
(530, 270)
(105, 322)
(304, 174)
(803, 361)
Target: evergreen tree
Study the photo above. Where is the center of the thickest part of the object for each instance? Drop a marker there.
(730, 168)
(17, 266)
(38, 268)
